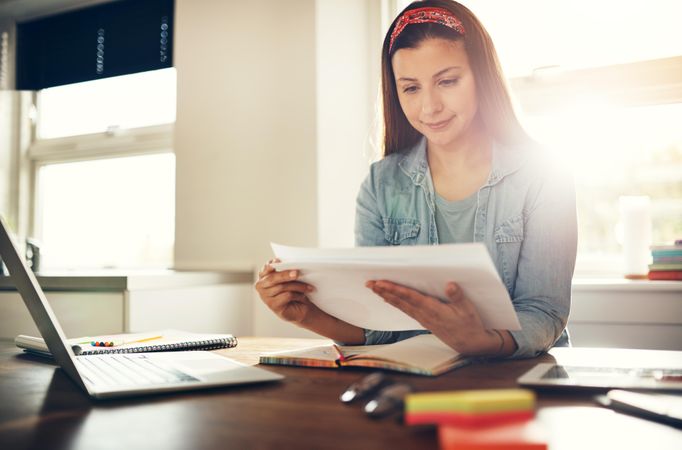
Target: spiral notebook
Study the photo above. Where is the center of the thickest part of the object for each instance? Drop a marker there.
(154, 341)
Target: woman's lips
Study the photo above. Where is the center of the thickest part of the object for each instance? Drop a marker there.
(439, 125)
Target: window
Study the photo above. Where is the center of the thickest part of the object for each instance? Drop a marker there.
(601, 86)
(530, 34)
(125, 102)
(108, 213)
(601, 90)
(104, 194)
(617, 151)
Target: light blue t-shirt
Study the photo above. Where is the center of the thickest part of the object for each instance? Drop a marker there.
(455, 219)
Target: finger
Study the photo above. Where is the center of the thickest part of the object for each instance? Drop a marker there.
(292, 286)
(421, 305)
(281, 301)
(454, 292)
(406, 307)
(271, 279)
(278, 277)
(265, 270)
(414, 297)
(394, 300)
(460, 303)
(458, 300)
(389, 293)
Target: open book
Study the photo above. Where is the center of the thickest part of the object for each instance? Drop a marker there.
(424, 355)
(154, 341)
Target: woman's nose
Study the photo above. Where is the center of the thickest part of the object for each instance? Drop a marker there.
(431, 102)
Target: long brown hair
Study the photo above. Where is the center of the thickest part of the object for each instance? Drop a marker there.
(494, 104)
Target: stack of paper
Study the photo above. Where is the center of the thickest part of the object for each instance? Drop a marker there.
(339, 276)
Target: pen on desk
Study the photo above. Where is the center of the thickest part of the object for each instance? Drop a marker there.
(142, 340)
(339, 353)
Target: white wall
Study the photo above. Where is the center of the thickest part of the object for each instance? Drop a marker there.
(348, 71)
(275, 107)
(245, 134)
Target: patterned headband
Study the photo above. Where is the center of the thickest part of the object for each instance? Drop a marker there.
(440, 16)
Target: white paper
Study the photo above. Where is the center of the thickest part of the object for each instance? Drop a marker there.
(339, 277)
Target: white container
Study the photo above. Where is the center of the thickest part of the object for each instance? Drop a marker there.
(635, 218)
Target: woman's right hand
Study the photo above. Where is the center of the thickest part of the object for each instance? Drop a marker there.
(284, 295)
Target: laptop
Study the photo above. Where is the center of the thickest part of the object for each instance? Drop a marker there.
(123, 375)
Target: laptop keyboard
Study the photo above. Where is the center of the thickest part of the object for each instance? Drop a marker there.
(128, 370)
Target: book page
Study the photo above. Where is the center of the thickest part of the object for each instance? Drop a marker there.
(324, 352)
(425, 351)
(424, 354)
(320, 353)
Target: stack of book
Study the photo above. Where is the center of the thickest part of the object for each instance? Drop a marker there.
(667, 262)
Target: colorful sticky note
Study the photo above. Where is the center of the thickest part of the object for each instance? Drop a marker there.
(525, 436)
(466, 419)
(472, 401)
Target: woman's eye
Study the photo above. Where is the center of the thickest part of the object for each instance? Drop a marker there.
(449, 81)
(409, 89)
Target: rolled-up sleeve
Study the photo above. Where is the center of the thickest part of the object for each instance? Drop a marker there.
(542, 292)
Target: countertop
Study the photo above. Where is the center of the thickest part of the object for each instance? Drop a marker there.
(624, 284)
(109, 280)
(119, 280)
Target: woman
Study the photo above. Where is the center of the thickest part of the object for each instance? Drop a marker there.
(457, 167)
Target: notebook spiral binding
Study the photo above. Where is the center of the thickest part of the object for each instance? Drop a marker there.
(209, 344)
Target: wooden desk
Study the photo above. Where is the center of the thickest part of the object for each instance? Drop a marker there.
(41, 408)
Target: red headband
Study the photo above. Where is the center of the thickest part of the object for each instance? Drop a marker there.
(440, 16)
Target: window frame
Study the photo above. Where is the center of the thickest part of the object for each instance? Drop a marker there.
(640, 83)
(117, 143)
(108, 144)
(31, 153)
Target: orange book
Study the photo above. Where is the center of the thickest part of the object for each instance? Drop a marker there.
(524, 436)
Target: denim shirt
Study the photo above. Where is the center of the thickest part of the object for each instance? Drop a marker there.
(525, 216)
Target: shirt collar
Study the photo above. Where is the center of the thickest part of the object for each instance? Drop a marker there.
(506, 160)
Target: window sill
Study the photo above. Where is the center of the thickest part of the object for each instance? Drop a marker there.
(623, 284)
(114, 281)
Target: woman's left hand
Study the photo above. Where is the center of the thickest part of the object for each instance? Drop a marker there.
(455, 321)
